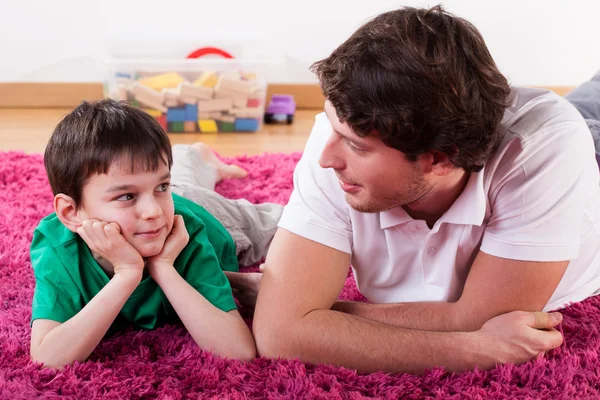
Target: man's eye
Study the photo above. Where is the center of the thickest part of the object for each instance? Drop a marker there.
(163, 187)
(353, 147)
(125, 197)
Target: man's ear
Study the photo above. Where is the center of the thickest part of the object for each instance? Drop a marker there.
(441, 164)
(66, 211)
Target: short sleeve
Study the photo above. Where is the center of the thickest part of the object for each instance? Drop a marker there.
(200, 266)
(56, 295)
(540, 194)
(317, 209)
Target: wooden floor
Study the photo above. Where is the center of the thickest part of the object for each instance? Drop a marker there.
(29, 130)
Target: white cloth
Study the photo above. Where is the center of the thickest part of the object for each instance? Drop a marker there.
(537, 199)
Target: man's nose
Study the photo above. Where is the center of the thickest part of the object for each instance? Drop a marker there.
(331, 156)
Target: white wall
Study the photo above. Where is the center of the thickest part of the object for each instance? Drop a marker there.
(552, 42)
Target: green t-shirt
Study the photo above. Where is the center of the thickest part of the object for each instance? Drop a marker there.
(67, 276)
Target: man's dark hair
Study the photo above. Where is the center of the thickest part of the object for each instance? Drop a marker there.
(423, 80)
(95, 135)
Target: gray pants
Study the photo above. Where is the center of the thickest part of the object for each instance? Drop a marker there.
(252, 226)
(586, 98)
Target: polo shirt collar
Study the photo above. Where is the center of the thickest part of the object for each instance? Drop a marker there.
(468, 209)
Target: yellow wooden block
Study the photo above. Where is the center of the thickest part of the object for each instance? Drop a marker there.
(208, 125)
(162, 81)
(208, 79)
(154, 113)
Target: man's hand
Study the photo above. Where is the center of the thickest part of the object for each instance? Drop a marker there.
(176, 241)
(519, 336)
(245, 286)
(105, 239)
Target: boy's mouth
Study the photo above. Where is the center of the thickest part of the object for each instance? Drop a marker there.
(150, 234)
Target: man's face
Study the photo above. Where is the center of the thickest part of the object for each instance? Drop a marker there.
(140, 203)
(374, 177)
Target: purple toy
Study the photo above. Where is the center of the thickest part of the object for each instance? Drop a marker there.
(281, 109)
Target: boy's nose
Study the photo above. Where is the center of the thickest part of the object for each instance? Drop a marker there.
(151, 210)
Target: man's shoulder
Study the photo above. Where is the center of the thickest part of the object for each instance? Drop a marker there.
(536, 114)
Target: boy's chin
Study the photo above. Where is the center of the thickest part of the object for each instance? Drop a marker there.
(150, 251)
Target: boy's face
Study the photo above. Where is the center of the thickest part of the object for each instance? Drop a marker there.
(140, 203)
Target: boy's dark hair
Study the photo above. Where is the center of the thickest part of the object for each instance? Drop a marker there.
(423, 80)
(94, 135)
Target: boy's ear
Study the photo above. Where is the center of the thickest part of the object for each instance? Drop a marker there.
(66, 211)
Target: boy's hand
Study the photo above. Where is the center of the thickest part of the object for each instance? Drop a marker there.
(178, 238)
(106, 240)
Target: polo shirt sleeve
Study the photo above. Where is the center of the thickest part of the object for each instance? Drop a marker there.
(56, 296)
(317, 209)
(539, 193)
(200, 266)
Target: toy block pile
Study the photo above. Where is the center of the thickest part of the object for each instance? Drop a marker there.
(209, 102)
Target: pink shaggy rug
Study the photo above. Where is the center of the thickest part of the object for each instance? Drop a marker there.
(166, 363)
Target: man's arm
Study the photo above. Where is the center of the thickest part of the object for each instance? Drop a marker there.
(56, 345)
(301, 282)
(494, 286)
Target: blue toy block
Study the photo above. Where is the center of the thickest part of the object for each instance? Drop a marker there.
(191, 112)
(246, 125)
(176, 114)
(123, 75)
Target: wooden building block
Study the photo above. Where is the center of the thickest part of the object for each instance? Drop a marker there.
(153, 112)
(196, 92)
(190, 126)
(235, 86)
(208, 125)
(175, 126)
(254, 102)
(238, 100)
(151, 103)
(188, 100)
(140, 90)
(208, 79)
(162, 121)
(158, 82)
(225, 126)
(247, 112)
(215, 105)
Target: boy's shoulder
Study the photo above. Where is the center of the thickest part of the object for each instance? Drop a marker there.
(52, 232)
(194, 215)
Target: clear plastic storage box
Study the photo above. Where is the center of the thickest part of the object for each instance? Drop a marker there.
(203, 95)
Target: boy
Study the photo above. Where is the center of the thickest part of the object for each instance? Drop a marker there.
(121, 249)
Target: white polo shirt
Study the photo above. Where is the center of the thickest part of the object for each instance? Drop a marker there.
(537, 199)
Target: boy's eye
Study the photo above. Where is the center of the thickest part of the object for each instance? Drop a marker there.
(125, 197)
(163, 187)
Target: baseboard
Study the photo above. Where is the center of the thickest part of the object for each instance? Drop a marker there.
(68, 95)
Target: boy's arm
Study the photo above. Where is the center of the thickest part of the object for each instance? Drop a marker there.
(223, 333)
(56, 345)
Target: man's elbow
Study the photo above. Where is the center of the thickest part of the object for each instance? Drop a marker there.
(273, 340)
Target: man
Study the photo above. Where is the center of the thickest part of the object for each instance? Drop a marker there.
(456, 198)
